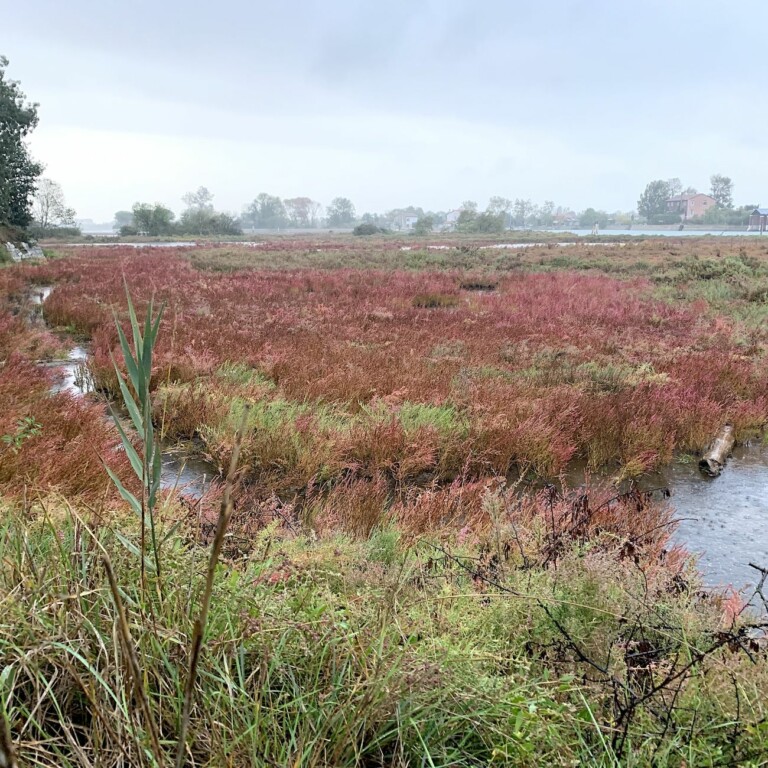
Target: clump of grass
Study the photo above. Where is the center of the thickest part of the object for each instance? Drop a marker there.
(445, 419)
(479, 284)
(435, 300)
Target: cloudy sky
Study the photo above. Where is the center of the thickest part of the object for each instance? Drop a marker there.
(423, 102)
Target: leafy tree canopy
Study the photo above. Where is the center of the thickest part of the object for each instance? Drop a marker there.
(18, 172)
(154, 220)
(424, 225)
(722, 190)
(266, 212)
(653, 201)
(341, 212)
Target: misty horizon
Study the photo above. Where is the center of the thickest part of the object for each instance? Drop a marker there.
(579, 103)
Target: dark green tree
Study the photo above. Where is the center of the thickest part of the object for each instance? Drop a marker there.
(424, 225)
(18, 172)
(653, 201)
(341, 212)
(471, 221)
(154, 220)
(201, 218)
(721, 188)
(467, 218)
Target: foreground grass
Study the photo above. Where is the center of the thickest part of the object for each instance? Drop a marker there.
(375, 652)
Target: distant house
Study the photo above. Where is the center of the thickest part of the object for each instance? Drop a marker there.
(690, 206)
(404, 221)
(758, 220)
(565, 219)
(452, 217)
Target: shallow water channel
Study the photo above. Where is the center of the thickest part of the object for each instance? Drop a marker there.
(181, 468)
(723, 520)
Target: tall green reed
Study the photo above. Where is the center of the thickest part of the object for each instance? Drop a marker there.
(135, 391)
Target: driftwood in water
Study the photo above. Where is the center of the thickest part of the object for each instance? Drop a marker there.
(713, 461)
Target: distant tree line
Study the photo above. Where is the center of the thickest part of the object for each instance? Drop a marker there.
(201, 218)
(37, 205)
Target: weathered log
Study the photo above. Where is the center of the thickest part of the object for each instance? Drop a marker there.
(713, 461)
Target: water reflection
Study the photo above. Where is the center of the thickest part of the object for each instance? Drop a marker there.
(185, 472)
(72, 375)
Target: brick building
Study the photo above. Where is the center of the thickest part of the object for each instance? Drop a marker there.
(690, 206)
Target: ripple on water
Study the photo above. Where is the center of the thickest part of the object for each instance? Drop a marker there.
(724, 520)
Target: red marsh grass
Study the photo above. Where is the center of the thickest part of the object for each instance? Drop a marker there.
(545, 368)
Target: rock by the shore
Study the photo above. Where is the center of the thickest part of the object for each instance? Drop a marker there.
(24, 251)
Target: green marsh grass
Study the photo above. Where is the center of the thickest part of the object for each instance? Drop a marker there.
(340, 653)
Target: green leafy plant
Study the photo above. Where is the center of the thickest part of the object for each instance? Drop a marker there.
(26, 429)
(135, 392)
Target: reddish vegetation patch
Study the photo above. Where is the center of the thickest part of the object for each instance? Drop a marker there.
(545, 368)
(60, 441)
(16, 335)
(47, 442)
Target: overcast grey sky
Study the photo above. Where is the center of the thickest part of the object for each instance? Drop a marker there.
(424, 102)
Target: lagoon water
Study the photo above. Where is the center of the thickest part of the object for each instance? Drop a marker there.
(661, 233)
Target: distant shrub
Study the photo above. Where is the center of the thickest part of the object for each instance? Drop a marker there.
(53, 233)
(368, 229)
(665, 218)
(479, 284)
